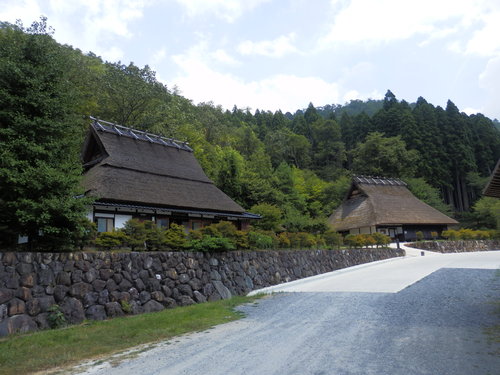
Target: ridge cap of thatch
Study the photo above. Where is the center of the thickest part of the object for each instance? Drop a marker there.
(140, 135)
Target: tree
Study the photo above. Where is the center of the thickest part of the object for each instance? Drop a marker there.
(40, 137)
(428, 194)
(271, 216)
(380, 156)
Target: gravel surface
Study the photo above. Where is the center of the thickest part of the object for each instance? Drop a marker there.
(435, 326)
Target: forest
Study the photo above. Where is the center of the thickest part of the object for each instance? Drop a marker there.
(295, 167)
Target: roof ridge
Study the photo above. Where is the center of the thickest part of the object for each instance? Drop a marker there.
(377, 180)
(141, 135)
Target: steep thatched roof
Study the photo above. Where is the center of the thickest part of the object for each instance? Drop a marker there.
(493, 187)
(125, 165)
(382, 201)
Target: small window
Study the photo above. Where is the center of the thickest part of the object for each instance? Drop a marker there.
(195, 225)
(162, 223)
(104, 224)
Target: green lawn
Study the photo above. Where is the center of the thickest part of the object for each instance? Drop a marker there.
(24, 354)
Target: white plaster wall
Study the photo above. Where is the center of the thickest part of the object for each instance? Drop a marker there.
(365, 230)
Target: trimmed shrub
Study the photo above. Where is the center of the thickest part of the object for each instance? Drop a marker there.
(332, 238)
(450, 234)
(175, 237)
(212, 244)
(381, 239)
(420, 235)
(136, 233)
(110, 240)
(260, 241)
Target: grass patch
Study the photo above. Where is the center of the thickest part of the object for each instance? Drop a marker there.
(24, 354)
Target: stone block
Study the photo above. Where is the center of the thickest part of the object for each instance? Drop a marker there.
(91, 275)
(185, 301)
(33, 307)
(46, 277)
(24, 268)
(114, 309)
(99, 285)
(17, 324)
(221, 289)
(152, 306)
(73, 310)
(198, 297)
(6, 295)
(106, 273)
(28, 280)
(60, 292)
(16, 307)
(169, 303)
(185, 289)
(63, 278)
(79, 290)
(144, 297)
(158, 296)
(183, 278)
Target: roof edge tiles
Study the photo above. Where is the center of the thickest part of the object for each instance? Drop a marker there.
(140, 135)
(372, 180)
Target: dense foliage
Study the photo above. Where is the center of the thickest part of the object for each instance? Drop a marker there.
(223, 236)
(294, 169)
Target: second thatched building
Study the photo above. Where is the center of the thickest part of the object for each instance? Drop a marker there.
(386, 205)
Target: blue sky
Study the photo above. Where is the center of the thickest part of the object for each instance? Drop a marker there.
(279, 54)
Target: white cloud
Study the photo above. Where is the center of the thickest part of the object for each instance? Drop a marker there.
(201, 83)
(229, 10)
(278, 47)
(223, 57)
(159, 56)
(86, 24)
(490, 81)
(372, 22)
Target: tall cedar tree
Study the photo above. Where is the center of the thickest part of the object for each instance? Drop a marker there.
(39, 139)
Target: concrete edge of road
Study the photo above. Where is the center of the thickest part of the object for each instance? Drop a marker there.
(270, 289)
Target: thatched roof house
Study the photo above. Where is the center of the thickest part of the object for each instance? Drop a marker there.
(138, 174)
(493, 187)
(386, 205)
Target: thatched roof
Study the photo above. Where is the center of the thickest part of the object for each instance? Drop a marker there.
(130, 166)
(381, 201)
(493, 187)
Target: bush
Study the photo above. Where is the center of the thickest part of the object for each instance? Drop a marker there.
(450, 234)
(420, 235)
(55, 317)
(258, 240)
(109, 240)
(362, 240)
(381, 239)
(175, 237)
(434, 235)
(136, 233)
(332, 238)
(212, 244)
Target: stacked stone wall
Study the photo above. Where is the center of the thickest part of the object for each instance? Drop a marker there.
(104, 285)
(457, 246)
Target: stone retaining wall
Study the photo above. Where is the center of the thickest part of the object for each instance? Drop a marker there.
(105, 285)
(457, 246)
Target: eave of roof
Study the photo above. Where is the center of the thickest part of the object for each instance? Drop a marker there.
(166, 209)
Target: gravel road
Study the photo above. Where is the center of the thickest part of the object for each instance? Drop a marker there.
(434, 326)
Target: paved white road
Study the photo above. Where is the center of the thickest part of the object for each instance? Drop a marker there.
(387, 276)
(407, 316)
